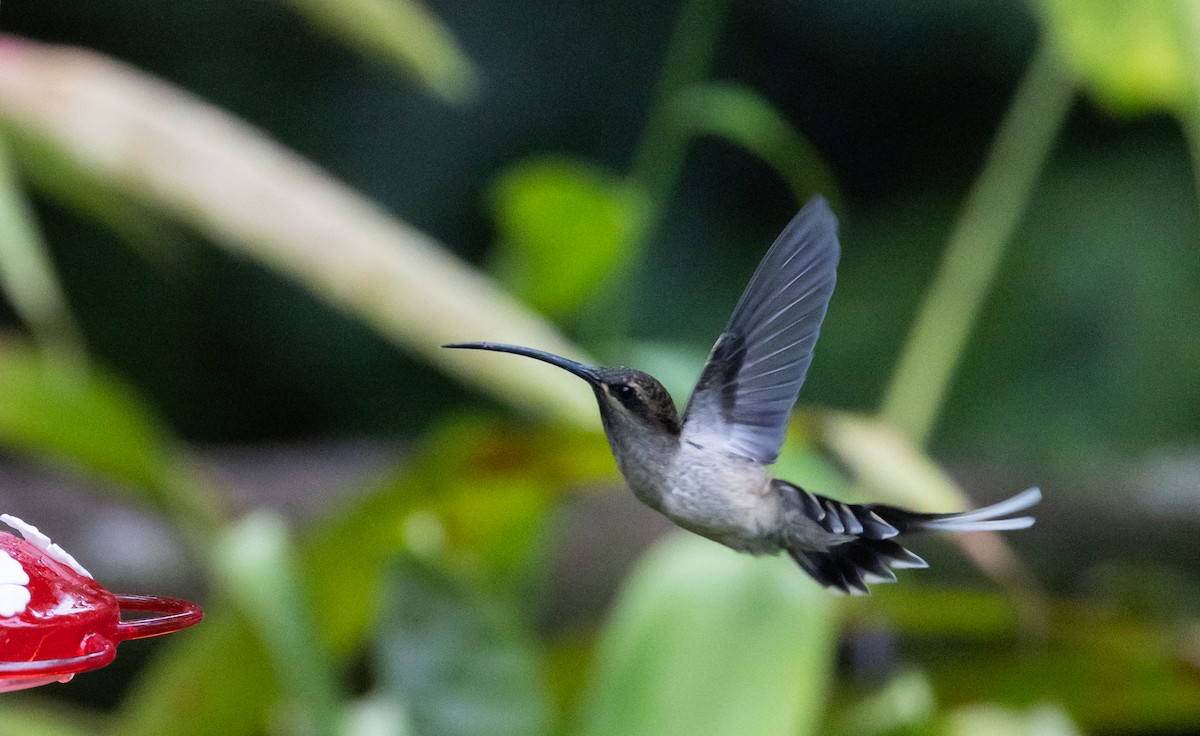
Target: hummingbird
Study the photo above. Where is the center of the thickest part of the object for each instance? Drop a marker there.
(707, 470)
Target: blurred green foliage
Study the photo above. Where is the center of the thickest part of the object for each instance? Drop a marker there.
(461, 662)
(540, 207)
(740, 115)
(418, 605)
(745, 666)
(403, 32)
(85, 419)
(1135, 56)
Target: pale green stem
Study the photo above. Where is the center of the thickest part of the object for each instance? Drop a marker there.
(689, 57)
(1190, 116)
(975, 248)
(660, 153)
(157, 145)
(255, 562)
(1190, 122)
(403, 32)
(27, 277)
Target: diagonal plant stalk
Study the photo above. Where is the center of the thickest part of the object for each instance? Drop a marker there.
(255, 562)
(403, 33)
(687, 105)
(660, 153)
(976, 246)
(27, 277)
(974, 251)
(163, 147)
(1189, 116)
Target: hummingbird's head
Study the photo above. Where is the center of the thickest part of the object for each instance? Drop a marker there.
(630, 401)
(629, 396)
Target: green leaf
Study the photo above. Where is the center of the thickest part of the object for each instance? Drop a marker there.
(403, 32)
(22, 715)
(255, 562)
(464, 664)
(705, 640)
(563, 226)
(1132, 54)
(471, 503)
(447, 506)
(212, 680)
(82, 418)
(745, 118)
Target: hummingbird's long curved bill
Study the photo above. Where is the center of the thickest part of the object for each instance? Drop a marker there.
(586, 372)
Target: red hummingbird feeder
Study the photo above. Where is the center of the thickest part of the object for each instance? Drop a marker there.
(57, 621)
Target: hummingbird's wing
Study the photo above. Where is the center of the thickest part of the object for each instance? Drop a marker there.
(746, 391)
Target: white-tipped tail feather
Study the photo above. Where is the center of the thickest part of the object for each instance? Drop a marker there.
(988, 518)
(869, 552)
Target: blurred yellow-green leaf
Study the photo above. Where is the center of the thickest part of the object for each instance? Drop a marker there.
(256, 564)
(82, 418)
(51, 172)
(27, 278)
(403, 32)
(745, 118)
(703, 640)
(423, 511)
(887, 463)
(214, 680)
(463, 663)
(1132, 54)
(563, 226)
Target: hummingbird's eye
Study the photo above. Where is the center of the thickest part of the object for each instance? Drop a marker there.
(624, 393)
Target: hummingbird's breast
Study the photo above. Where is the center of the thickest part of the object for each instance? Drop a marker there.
(724, 497)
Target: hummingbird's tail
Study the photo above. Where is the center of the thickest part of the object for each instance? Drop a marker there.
(867, 552)
(995, 518)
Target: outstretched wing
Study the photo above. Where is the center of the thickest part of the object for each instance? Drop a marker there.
(746, 391)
